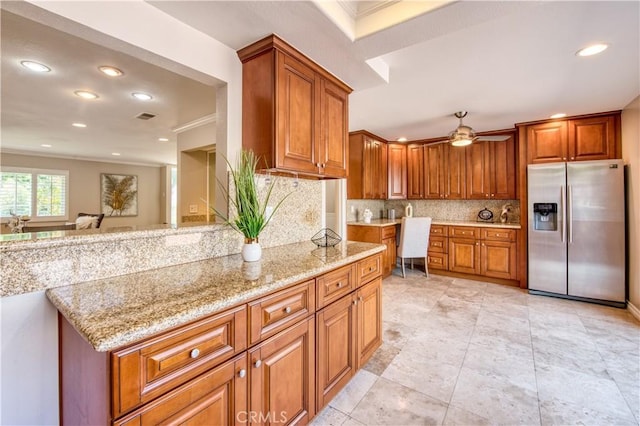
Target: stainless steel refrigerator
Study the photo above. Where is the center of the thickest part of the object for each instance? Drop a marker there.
(577, 230)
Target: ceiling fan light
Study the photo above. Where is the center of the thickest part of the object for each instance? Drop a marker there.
(461, 142)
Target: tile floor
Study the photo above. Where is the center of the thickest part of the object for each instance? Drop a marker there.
(465, 352)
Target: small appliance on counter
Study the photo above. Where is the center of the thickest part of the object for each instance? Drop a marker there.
(367, 215)
(485, 215)
(391, 214)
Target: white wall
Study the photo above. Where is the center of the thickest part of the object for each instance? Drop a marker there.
(631, 156)
(32, 379)
(29, 360)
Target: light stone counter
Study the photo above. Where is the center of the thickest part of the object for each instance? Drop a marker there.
(117, 311)
(387, 222)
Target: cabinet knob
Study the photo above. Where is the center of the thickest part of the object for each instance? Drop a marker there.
(360, 299)
(194, 353)
(477, 244)
(287, 309)
(371, 269)
(483, 245)
(564, 158)
(242, 373)
(355, 302)
(573, 158)
(339, 284)
(257, 364)
(493, 195)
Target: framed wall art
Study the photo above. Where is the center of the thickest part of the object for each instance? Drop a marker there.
(119, 195)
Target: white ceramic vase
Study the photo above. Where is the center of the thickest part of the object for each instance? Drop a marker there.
(251, 250)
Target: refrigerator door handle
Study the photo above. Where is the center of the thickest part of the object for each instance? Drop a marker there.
(570, 206)
(563, 219)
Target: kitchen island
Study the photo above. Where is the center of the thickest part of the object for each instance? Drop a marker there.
(176, 343)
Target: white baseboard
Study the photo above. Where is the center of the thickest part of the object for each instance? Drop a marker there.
(634, 310)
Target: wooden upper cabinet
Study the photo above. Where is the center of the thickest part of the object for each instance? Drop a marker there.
(397, 171)
(455, 174)
(367, 167)
(434, 171)
(491, 170)
(294, 113)
(547, 142)
(415, 172)
(593, 137)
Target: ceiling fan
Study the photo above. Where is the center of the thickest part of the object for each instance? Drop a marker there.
(464, 135)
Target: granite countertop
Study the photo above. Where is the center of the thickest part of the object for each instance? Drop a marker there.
(388, 222)
(114, 312)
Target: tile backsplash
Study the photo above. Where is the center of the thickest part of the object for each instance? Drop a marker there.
(438, 209)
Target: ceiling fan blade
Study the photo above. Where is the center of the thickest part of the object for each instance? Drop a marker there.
(493, 138)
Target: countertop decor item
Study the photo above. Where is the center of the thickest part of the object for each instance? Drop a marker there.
(504, 214)
(326, 238)
(408, 210)
(485, 215)
(251, 210)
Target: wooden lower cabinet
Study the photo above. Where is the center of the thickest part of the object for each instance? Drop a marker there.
(480, 251)
(276, 359)
(217, 397)
(377, 234)
(282, 377)
(349, 332)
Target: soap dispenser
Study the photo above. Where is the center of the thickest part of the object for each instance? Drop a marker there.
(408, 210)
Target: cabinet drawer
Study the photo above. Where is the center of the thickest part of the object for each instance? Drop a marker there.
(335, 284)
(213, 398)
(368, 269)
(388, 231)
(464, 231)
(154, 366)
(438, 261)
(494, 234)
(437, 244)
(275, 312)
(440, 230)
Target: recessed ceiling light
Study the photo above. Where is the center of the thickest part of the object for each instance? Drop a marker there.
(84, 94)
(559, 115)
(35, 66)
(594, 49)
(115, 154)
(163, 139)
(402, 139)
(79, 125)
(142, 96)
(45, 145)
(110, 71)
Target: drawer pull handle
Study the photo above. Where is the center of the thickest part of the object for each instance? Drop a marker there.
(371, 269)
(242, 373)
(287, 310)
(194, 353)
(257, 364)
(339, 284)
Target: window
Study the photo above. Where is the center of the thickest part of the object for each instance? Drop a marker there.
(38, 193)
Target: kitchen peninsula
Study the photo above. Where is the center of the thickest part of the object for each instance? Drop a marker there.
(174, 343)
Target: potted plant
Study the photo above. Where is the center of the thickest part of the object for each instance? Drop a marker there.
(250, 217)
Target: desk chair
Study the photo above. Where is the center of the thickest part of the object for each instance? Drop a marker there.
(100, 216)
(414, 240)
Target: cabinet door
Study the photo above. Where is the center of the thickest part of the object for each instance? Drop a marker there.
(455, 173)
(217, 397)
(547, 142)
(297, 116)
(415, 172)
(334, 130)
(389, 256)
(503, 169)
(592, 138)
(478, 170)
(336, 328)
(381, 180)
(369, 332)
(464, 255)
(434, 171)
(282, 376)
(397, 171)
(375, 169)
(498, 259)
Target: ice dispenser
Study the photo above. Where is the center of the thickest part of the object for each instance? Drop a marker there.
(545, 216)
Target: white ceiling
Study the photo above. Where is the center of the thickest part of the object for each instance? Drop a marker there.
(503, 61)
